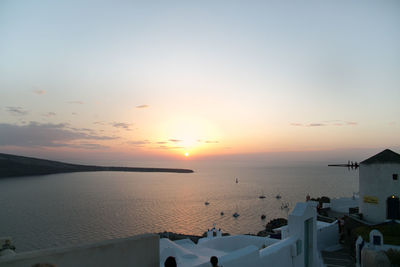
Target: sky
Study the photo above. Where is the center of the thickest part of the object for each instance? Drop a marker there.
(104, 80)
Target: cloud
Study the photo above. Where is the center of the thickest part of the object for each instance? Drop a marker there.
(91, 131)
(170, 147)
(316, 124)
(88, 146)
(39, 92)
(121, 125)
(139, 142)
(17, 111)
(75, 102)
(175, 140)
(211, 142)
(37, 134)
(207, 141)
(325, 123)
(49, 114)
(142, 106)
(161, 142)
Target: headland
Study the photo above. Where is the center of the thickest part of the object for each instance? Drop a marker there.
(14, 166)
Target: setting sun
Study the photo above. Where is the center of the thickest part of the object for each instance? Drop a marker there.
(186, 154)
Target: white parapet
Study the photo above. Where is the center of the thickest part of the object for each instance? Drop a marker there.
(140, 250)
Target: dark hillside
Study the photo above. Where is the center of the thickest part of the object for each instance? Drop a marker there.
(12, 165)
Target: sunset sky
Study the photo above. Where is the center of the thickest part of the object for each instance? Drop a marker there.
(150, 79)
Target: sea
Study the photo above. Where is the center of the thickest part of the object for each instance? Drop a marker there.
(59, 210)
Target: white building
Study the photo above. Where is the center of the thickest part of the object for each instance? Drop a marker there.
(380, 187)
(298, 248)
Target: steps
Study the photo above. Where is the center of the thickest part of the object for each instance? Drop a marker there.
(339, 258)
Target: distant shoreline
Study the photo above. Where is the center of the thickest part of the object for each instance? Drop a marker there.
(16, 166)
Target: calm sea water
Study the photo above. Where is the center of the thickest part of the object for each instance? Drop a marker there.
(67, 209)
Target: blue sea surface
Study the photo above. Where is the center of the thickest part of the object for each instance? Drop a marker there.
(68, 209)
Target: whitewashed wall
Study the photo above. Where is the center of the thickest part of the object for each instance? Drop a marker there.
(369, 246)
(299, 215)
(376, 180)
(279, 254)
(343, 204)
(328, 236)
(231, 243)
(140, 250)
(247, 256)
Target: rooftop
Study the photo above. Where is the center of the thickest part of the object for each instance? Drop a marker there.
(386, 156)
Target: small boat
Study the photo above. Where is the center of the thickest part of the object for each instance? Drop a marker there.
(262, 196)
(237, 181)
(278, 196)
(206, 203)
(263, 217)
(222, 213)
(236, 215)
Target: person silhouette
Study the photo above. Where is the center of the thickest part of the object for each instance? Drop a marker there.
(214, 261)
(170, 262)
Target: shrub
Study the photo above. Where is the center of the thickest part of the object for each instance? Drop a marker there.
(394, 256)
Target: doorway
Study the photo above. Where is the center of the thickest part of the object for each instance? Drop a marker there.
(393, 208)
(308, 242)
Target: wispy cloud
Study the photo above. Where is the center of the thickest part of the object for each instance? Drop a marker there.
(139, 142)
(211, 142)
(37, 134)
(39, 92)
(75, 102)
(87, 146)
(325, 123)
(169, 147)
(161, 142)
(49, 114)
(16, 111)
(142, 106)
(175, 140)
(91, 131)
(122, 125)
(207, 141)
(316, 124)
